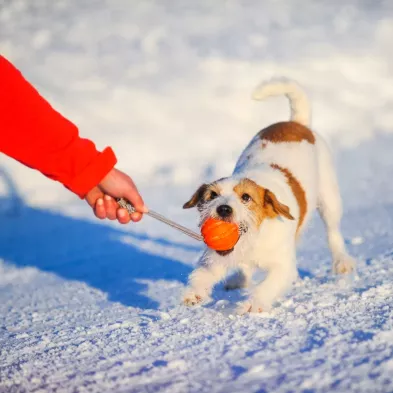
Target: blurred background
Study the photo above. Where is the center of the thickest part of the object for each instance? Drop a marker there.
(167, 84)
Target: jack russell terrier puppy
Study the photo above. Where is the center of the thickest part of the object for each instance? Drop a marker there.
(282, 176)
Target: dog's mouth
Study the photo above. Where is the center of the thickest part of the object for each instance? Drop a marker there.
(224, 253)
(243, 228)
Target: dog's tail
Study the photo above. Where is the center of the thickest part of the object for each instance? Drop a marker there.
(300, 106)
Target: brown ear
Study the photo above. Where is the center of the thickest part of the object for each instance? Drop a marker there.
(278, 207)
(198, 194)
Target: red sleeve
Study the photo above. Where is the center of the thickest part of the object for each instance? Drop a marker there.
(33, 133)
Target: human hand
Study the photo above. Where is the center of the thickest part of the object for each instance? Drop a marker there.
(116, 185)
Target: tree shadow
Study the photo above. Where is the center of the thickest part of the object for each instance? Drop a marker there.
(80, 250)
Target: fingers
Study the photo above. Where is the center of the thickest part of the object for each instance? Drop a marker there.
(123, 216)
(136, 216)
(107, 207)
(93, 195)
(111, 207)
(99, 209)
(118, 184)
(113, 212)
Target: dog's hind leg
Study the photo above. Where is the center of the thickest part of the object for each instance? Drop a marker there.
(330, 209)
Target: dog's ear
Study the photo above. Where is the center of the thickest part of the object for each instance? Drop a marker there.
(197, 196)
(279, 208)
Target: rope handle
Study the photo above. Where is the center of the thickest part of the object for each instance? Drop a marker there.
(123, 203)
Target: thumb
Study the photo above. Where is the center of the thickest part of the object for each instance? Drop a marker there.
(119, 185)
(135, 198)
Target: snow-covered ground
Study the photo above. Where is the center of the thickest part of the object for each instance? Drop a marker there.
(95, 306)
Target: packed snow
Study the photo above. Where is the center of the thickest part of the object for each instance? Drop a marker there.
(91, 306)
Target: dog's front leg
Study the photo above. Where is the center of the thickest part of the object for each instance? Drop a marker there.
(278, 280)
(202, 281)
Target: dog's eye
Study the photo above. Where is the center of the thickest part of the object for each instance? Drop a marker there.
(246, 198)
(213, 195)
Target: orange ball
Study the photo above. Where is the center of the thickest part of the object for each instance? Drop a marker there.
(220, 235)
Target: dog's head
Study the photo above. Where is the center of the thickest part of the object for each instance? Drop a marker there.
(240, 201)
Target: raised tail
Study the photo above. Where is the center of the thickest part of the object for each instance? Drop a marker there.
(300, 106)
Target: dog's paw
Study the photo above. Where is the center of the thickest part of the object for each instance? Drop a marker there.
(191, 298)
(344, 264)
(248, 307)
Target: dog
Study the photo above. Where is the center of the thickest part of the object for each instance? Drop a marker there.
(283, 175)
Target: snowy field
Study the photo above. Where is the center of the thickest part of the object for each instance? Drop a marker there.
(90, 306)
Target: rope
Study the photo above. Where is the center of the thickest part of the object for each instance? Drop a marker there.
(127, 205)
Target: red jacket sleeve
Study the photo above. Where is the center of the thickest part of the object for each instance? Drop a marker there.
(33, 133)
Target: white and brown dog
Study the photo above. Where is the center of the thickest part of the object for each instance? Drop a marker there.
(283, 175)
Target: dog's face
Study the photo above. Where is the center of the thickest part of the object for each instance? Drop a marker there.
(240, 201)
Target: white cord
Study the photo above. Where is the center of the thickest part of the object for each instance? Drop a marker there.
(127, 205)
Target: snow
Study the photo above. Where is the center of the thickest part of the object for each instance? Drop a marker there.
(95, 306)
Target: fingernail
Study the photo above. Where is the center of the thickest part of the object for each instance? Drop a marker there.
(122, 213)
(100, 202)
(136, 217)
(145, 209)
(107, 197)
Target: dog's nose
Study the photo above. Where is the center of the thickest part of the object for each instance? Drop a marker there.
(224, 211)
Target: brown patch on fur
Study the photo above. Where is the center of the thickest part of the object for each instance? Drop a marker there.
(278, 208)
(257, 193)
(263, 203)
(202, 194)
(297, 190)
(196, 197)
(287, 131)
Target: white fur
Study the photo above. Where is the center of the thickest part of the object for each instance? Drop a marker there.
(272, 246)
(300, 107)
